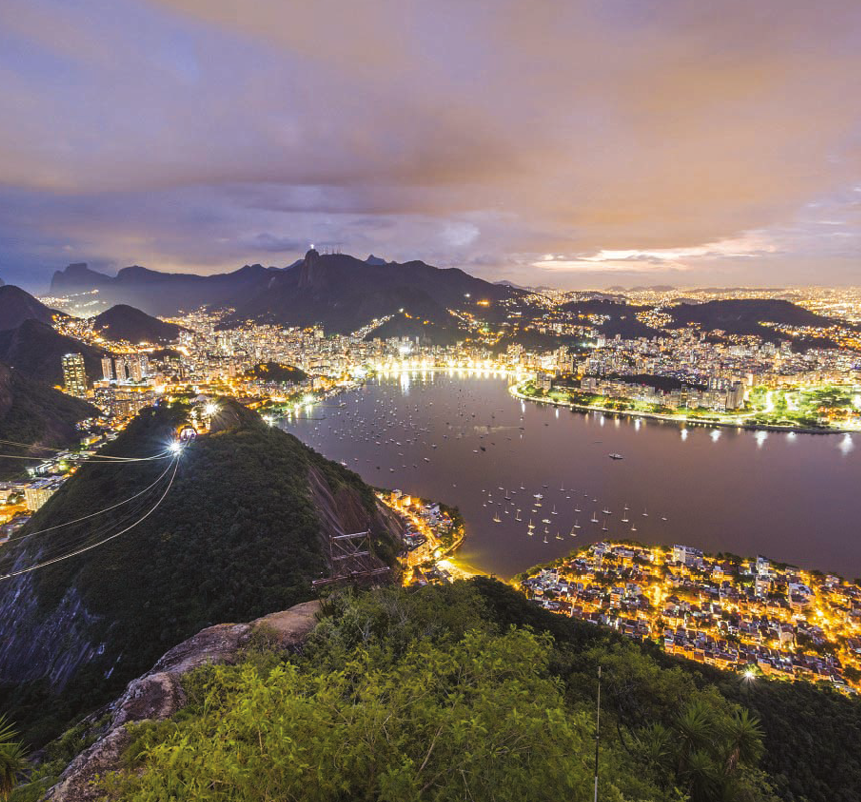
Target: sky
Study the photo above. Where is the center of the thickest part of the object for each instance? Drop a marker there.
(567, 143)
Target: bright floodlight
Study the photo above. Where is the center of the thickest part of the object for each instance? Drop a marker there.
(175, 447)
(749, 674)
(309, 399)
(210, 409)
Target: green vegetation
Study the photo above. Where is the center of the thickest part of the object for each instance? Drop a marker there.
(444, 694)
(826, 407)
(13, 762)
(468, 691)
(34, 413)
(237, 537)
(276, 372)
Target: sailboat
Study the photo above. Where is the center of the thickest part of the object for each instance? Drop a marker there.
(606, 511)
(625, 519)
(594, 518)
(633, 527)
(545, 538)
(496, 518)
(517, 516)
(576, 526)
(553, 511)
(558, 536)
(604, 526)
(645, 514)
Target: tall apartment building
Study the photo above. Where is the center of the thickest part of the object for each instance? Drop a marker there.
(75, 375)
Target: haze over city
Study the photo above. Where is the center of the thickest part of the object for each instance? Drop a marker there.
(566, 144)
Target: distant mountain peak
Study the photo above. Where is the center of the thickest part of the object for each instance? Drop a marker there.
(375, 260)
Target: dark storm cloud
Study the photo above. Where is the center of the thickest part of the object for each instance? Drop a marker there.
(542, 141)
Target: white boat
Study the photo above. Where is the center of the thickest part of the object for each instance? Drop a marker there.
(616, 456)
(594, 518)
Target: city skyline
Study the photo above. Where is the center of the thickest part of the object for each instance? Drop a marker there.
(564, 145)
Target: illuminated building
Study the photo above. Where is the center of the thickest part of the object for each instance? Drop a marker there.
(75, 375)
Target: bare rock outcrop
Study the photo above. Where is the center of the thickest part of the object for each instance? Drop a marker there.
(158, 694)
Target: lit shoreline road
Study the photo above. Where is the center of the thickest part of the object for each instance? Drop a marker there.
(740, 423)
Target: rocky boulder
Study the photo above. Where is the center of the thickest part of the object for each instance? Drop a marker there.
(158, 694)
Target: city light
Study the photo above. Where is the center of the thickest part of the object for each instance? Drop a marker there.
(175, 447)
(210, 409)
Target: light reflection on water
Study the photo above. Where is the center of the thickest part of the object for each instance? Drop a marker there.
(791, 497)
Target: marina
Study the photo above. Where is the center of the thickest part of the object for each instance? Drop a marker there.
(673, 485)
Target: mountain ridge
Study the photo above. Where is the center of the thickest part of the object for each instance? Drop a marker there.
(338, 291)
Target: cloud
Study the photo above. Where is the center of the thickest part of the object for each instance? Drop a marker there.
(200, 133)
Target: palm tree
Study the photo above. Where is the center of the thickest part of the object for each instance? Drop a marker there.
(702, 775)
(658, 745)
(743, 738)
(13, 760)
(696, 730)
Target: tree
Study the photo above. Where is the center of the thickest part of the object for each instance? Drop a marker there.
(480, 719)
(13, 760)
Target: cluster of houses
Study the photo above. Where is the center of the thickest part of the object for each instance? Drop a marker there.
(727, 612)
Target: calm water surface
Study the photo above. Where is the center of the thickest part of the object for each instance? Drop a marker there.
(794, 498)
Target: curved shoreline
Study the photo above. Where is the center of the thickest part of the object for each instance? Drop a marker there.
(627, 413)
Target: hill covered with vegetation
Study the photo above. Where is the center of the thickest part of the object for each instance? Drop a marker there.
(124, 322)
(469, 691)
(276, 372)
(241, 532)
(34, 414)
(17, 305)
(746, 316)
(37, 350)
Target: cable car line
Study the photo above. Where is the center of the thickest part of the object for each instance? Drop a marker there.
(92, 514)
(100, 542)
